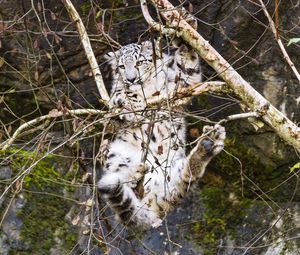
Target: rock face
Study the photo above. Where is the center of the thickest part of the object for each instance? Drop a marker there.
(247, 203)
(12, 226)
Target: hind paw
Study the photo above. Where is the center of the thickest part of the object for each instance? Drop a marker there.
(109, 184)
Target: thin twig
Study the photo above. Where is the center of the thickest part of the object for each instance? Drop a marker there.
(239, 116)
(279, 41)
(87, 48)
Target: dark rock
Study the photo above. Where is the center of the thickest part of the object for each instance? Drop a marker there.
(5, 172)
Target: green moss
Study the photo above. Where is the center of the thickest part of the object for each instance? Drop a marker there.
(44, 212)
(228, 201)
(242, 169)
(221, 215)
(85, 8)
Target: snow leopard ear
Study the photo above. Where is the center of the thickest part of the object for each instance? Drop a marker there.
(183, 49)
(147, 47)
(150, 48)
(111, 62)
(111, 57)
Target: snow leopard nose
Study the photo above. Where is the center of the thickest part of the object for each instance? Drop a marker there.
(132, 79)
(130, 73)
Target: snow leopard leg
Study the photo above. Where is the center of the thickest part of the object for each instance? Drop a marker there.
(193, 166)
(121, 172)
(118, 185)
(211, 144)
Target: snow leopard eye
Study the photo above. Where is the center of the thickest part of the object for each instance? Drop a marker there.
(122, 66)
(139, 63)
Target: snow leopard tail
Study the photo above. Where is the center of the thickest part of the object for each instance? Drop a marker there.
(115, 193)
(129, 209)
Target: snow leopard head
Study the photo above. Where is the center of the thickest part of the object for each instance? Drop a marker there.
(134, 62)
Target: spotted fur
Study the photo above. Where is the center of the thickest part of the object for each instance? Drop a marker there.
(147, 171)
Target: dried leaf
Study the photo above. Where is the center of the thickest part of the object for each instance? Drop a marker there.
(57, 39)
(2, 61)
(194, 132)
(75, 220)
(39, 6)
(54, 113)
(85, 177)
(157, 93)
(45, 32)
(86, 232)
(53, 16)
(36, 44)
(234, 42)
(89, 202)
(18, 186)
(190, 7)
(160, 150)
(48, 55)
(36, 75)
(9, 129)
(256, 123)
(3, 26)
(107, 252)
(150, 128)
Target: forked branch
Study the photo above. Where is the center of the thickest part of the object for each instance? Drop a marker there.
(87, 48)
(284, 127)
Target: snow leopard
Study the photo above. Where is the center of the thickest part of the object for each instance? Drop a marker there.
(147, 170)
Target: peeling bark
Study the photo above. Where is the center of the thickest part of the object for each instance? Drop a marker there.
(284, 127)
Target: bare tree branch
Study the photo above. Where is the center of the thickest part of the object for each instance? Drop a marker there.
(278, 39)
(197, 89)
(153, 24)
(239, 116)
(284, 127)
(87, 48)
(52, 114)
(179, 98)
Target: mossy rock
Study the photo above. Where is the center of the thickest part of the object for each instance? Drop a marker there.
(46, 192)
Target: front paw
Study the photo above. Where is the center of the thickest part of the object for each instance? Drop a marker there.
(117, 102)
(129, 116)
(213, 143)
